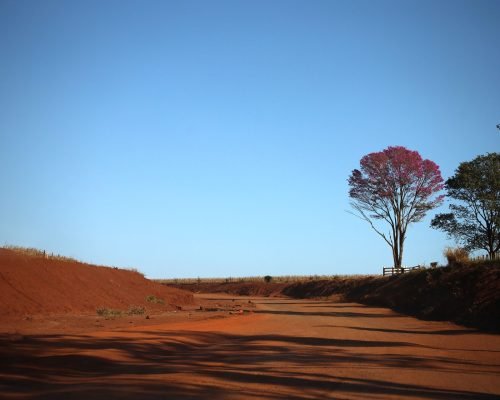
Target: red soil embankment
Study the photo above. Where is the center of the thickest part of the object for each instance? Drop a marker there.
(465, 294)
(37, 285)
(236, 288)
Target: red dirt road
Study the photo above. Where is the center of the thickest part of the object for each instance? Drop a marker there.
(286, 349)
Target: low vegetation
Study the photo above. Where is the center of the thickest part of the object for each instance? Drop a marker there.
(135, 271)
(33, 252)
(456, 256)
(154, 299)
(250, 279)
(109, 313)
(136, 311)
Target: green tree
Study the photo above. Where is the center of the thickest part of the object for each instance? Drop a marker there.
(474, 221)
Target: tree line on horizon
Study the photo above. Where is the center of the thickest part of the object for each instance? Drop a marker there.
(397, 186)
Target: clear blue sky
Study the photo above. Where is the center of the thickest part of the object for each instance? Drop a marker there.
(215, 138)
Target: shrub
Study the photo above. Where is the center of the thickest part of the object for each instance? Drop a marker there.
(108, 313)
(153, 299)
(136, 311)
(268, 278)
(456, 255)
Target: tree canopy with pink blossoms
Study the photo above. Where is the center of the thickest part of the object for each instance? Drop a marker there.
(397, 186)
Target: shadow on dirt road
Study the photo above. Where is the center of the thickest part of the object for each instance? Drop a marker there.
(160, 363)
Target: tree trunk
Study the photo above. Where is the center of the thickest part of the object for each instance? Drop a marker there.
(401, 244)
(394, 247)
(395, 256)
(396, 253)
(397, 248)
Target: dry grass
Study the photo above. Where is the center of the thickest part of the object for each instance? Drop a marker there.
(274, 279)
(33, 252)
(154, 299)
(136, 311)
(456, 255)
(109, 313)
(135, 271)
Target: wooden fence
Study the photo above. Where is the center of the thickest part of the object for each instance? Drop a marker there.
(482, 257)
(396, 271)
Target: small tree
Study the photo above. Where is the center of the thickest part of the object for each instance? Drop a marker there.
(474, 221)
(396, 186)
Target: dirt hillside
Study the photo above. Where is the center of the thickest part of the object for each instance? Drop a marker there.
(465, 294)
(237, 288)
(37, 285)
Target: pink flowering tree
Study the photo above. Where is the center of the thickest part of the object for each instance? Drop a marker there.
(398, 187)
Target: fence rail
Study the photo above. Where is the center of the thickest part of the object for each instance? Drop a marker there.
(397, 271)
(482, 257)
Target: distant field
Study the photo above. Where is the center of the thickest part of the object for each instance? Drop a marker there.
(245, 279)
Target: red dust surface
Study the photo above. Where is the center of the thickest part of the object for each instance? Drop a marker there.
(220, 346)
(31, 285)
(284, 349)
